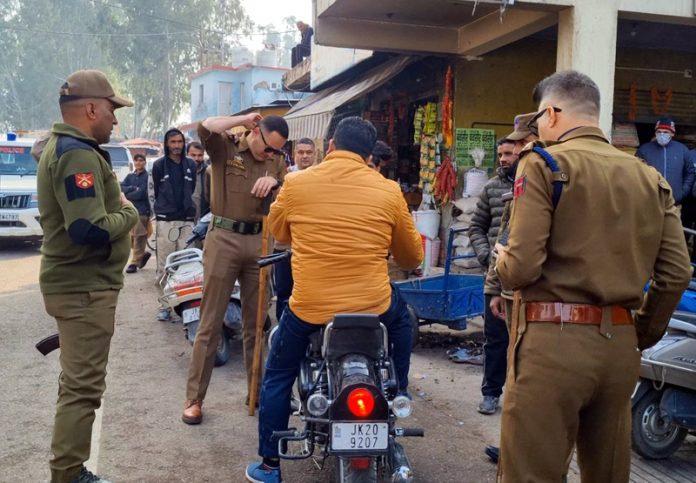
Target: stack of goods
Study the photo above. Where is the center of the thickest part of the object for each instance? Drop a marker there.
(468, 139)
(476, 178)
(461, 241)
(625, 137)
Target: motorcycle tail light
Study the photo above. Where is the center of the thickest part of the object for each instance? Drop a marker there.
(361, 402)
(360, 463)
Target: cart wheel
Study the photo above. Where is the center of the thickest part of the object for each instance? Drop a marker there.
(415, 327)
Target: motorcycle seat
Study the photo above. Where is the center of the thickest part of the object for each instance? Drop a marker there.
(354, 333)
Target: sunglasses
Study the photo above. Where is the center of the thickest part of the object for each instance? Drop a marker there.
(533, 125)
(269, 149)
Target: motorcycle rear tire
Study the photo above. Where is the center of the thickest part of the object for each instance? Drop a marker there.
(345, 473)
(646, 442)
(224, 351)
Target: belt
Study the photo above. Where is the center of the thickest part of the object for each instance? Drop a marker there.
(241, 227)
(559, 312)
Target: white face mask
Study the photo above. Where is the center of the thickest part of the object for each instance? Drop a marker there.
(663, 138)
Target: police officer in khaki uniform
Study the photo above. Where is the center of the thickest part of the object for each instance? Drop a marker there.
(578, 269)
(86, 220)
(501, 300)
(244, 172)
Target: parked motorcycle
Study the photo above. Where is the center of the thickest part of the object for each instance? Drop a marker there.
(347, 389)
(664, 402)
(183, 292)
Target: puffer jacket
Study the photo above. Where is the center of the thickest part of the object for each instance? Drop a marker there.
(485, 222)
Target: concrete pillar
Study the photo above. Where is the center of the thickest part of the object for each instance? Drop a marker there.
(587, 43)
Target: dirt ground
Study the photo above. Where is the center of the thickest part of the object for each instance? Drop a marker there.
(139, 436)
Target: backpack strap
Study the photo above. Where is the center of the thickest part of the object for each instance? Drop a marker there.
(559, 177)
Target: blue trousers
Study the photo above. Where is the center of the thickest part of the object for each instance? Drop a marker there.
(282, 284)
(287, 351)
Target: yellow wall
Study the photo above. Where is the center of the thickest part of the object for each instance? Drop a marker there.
(495, 89)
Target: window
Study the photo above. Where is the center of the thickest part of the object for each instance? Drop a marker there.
(201, 93)
(242, 105)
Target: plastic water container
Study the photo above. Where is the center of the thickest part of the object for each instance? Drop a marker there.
(427, 222)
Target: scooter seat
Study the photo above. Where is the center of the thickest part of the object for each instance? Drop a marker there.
(685, 321)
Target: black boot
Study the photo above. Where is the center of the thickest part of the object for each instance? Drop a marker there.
(493, 452)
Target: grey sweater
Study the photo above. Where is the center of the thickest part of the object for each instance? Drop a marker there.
(485, 222)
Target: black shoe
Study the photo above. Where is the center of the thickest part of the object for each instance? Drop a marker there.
(144, 260)
(493, 452)
(131, 268)
(87, 476)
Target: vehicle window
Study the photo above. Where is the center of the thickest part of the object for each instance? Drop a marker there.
(16, 160)
(119, 155)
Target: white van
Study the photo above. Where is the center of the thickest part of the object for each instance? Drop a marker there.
(121, 159)
(19, 210)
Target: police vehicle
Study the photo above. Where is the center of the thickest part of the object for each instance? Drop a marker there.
(19, 211)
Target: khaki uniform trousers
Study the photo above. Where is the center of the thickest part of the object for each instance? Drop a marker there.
(568, 385)
(227, 256)
(85, 325)
(140, 232)
(171, 236)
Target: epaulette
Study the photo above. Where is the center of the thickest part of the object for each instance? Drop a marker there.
(69, 143)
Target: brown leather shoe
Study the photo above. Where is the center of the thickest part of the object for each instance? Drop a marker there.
(193, 414)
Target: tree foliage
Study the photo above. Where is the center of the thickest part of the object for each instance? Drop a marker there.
(148, 48)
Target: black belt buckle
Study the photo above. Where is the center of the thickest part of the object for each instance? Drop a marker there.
(247, 228)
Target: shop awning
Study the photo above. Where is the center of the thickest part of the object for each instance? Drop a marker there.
(311, 117)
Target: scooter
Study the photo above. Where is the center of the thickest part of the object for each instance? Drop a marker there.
(349, 403)
(663, 405)
(183, 292)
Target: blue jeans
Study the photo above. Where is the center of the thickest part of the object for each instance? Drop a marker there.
(287, 351)
(282, 284)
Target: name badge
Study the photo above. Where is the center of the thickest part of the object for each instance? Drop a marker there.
(236, 163)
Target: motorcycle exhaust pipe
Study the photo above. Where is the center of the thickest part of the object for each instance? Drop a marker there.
(400, 466)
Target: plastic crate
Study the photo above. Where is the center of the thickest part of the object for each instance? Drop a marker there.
(467, 139)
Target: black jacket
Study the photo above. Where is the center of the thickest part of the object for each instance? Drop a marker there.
(135, 189)
(168, 206)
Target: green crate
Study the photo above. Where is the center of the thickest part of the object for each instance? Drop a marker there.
(467, 139)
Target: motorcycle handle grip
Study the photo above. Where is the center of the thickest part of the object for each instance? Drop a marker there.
(271, 259)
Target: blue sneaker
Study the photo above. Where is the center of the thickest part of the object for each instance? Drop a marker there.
(260, 473)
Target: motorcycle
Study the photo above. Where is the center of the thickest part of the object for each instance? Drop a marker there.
(348, 401)
(183, 292)
(663, 406)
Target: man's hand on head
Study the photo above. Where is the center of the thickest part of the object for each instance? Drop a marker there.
(252, 120)
(263, 186)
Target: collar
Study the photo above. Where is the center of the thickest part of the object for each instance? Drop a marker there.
(63, 129)
(582, 132)
(345, 156)
(243, 141)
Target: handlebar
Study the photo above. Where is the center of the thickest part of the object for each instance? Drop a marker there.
(272, 259)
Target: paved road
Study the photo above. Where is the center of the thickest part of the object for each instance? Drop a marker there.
(139, 436)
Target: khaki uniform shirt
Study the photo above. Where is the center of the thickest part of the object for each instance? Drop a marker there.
(234, 171)
(615, 228)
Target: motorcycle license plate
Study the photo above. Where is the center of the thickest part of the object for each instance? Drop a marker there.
(359, 436)
(191, 315)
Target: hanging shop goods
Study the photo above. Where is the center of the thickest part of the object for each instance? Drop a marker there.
(429, 152)
(447, 117)
(445, 182)
(660, 103)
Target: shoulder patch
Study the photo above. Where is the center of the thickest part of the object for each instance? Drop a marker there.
(520, 185)
(79, 185)
(67, 143)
